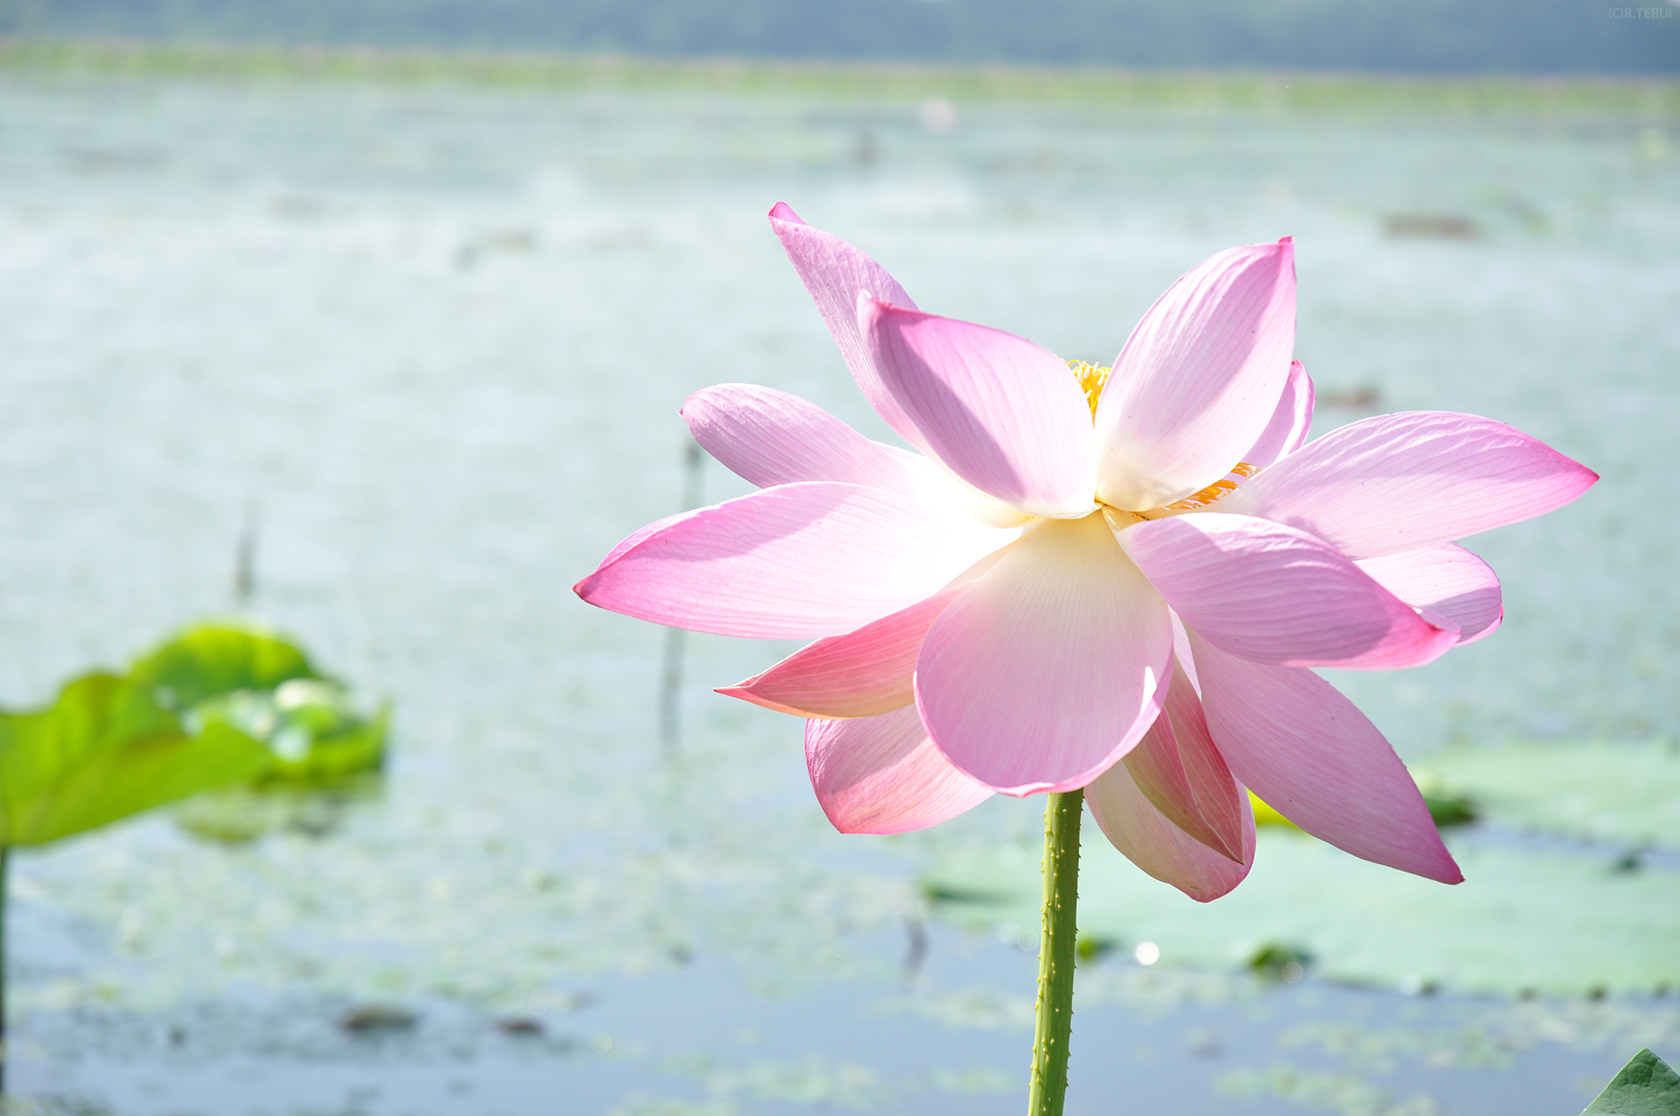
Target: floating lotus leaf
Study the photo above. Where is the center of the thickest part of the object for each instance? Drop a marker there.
(1615, 792)
(1550, 919)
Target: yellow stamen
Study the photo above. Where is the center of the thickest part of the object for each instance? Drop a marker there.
(1091, 379)
(1241, 472)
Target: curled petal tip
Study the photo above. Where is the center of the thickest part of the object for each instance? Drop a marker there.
(781, 211)
(743, 691)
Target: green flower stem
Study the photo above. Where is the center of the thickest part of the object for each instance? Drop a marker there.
(1056, 947)
(5, 855)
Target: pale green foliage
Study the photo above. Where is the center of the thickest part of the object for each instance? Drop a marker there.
(236, 676)
(208, 660)
(218, 704)
(103, 751)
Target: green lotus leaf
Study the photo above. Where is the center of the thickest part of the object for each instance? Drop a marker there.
(1611, 792)
(212, 659)
(1644, 1087)
(1550, 919)
(255, 682)
(342, 750)
(104, 750)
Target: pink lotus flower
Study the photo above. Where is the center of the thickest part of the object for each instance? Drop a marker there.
(1111, 580)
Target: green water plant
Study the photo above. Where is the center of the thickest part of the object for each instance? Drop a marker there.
(218, 705)
(1646, 1086)
(230, 674)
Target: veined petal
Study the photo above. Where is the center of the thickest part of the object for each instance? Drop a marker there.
(1182, 658)
(1277, 595)
(883, 775)
(642, 534)
(1199, 378)
(1001, 413)
(1310, 754)
(1291, 422)
(1178, 768)
(835, 273)
(1401, 482)
(770, 437)
(1050, 666)
(790, 562)
(1150, 840)
(1446, 580)
(859, 674)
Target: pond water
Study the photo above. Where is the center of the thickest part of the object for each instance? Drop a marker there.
(426, 344)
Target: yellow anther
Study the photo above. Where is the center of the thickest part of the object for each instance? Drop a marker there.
(1229, 483)
(1091, 379)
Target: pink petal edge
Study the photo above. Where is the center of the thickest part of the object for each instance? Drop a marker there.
(835, 273)
(1289, 736)
(770, 437)
(1405, 481)
(883, 775)
(1291, 422)
(860, 674)
(1448, 581)
(1178, 768)
(795, 561)
(1133, 824)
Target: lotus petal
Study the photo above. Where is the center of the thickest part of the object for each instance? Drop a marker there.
(836, 273)
(1050, 666)
(791, 562)
(1150, 840)
(1400, 482)
(1446, 580)
(770, 437)
(1178, 768)
(1291, 422)
(859, 674)
(1197, 382)
(883, 775)
(1001, 413)
(1273, 594)
(1310, 754)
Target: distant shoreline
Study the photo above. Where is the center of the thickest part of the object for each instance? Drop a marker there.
(1653, 99)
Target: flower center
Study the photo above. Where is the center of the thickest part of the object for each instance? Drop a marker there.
(1228, 483)
(1091, 379)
